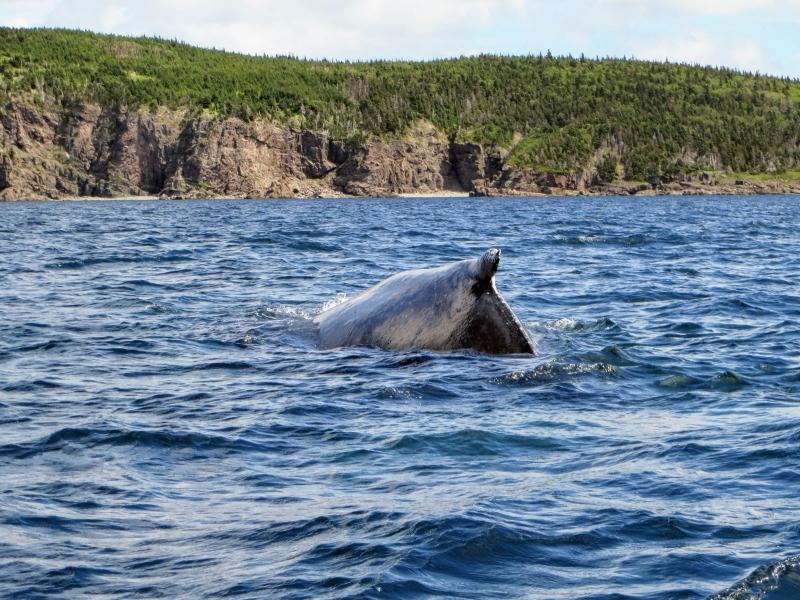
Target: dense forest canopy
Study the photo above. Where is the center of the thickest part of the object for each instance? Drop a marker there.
(551, 113)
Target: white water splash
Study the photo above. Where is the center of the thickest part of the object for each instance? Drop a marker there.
(335, 301)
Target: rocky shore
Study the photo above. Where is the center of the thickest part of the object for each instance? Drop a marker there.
(48, 152)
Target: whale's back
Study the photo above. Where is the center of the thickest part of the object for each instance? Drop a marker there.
(443, 308)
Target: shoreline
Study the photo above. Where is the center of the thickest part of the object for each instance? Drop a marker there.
(766, 188)
(232, 159)
(444, 194)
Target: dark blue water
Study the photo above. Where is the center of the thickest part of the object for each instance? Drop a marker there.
(168, 428)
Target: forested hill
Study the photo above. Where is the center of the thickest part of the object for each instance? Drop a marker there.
(630, 119)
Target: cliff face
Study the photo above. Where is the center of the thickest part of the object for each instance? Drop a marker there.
(91, 151)
(88, 150)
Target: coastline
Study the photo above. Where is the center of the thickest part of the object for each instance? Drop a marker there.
(170, 154)
(697, 192)
(441, 194)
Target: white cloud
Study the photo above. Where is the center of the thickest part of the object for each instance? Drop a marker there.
(719, 7)
(749, 56)
(705, 7)
(112, 17)
(703, 31)
(25, 13)
(314, 28)
(699, 47)
(695, 47)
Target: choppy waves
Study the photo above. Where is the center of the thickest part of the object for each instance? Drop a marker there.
(168, 427)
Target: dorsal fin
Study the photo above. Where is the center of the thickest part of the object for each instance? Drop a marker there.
(487, 265)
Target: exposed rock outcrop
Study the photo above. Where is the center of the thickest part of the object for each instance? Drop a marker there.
(48, 151)
(5, 168)
(417, 162)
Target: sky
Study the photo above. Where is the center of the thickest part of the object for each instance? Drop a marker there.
(754, 35)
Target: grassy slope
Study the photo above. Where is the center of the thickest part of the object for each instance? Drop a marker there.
(562, 113)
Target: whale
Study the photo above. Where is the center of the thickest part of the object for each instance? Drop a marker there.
(455, 306)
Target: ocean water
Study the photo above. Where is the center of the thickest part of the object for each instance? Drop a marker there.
(168, 428)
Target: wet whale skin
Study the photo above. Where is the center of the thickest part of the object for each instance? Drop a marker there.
(450, 307)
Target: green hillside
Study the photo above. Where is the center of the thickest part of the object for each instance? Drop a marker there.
(553, 114)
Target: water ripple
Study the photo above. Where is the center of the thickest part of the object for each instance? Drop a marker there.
(169, 428)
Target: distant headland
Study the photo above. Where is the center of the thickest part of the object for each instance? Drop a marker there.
(85, 114)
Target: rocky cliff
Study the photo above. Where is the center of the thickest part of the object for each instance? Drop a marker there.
(47, 151)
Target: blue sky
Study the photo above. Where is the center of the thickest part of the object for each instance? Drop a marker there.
(761, 35)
